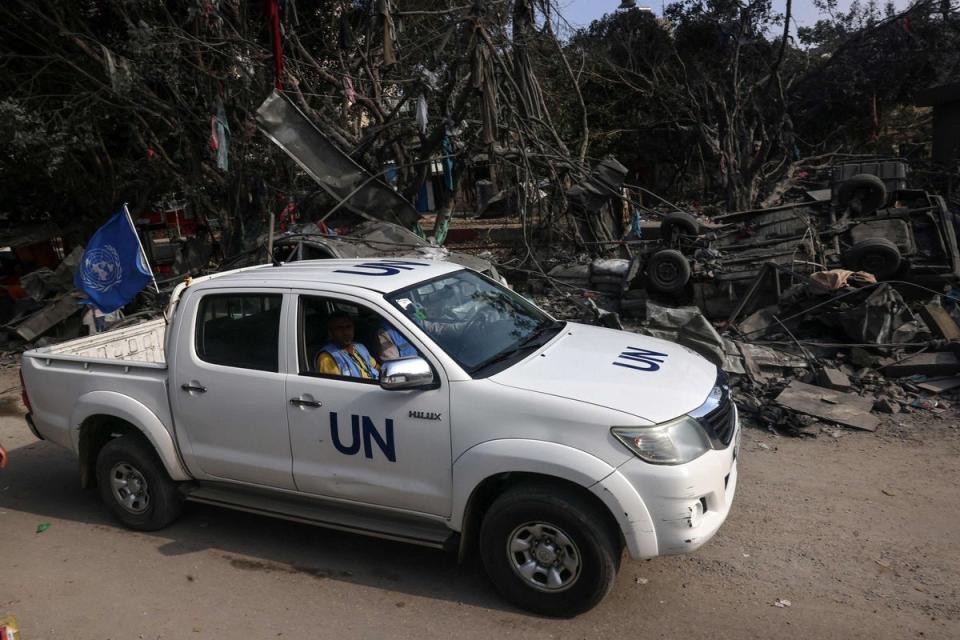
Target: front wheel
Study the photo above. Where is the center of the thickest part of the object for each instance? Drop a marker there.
(135, 486)
(668, 271)
(549, 550)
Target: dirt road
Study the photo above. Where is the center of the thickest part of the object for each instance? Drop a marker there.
(860, 533)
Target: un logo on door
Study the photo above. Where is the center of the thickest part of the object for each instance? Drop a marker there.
(100, 268)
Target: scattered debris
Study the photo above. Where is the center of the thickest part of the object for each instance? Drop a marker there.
(939, 385)
(885, 405)
(940, 322)
(43, 526)
(843, 408)
(337, 173)
(942, 363)
(781, 603)
(51, 315)
(833, 379)
(925, 403)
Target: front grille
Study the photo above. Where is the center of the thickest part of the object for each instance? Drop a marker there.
(721, 422)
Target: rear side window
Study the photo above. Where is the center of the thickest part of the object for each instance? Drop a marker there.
(240, 330)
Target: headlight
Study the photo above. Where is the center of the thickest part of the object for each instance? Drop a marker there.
(674, 442)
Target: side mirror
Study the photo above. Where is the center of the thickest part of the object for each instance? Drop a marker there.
(406, 373)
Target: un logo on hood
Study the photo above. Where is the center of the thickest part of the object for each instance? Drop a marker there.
(100, 269)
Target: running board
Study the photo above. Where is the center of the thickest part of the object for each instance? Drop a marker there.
(322, 513)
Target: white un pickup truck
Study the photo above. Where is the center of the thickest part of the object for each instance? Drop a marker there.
(407, 399)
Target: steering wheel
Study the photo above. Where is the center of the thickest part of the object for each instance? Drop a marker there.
(485, 317)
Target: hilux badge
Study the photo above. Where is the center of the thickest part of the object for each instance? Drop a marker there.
(424, 415)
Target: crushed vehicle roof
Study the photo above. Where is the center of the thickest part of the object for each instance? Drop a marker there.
(382, 275)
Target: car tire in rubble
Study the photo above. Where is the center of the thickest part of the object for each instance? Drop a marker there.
(878, 256)
(134, 485)
(678, 223)
(865, 192)
(549, 550)
(668, 271)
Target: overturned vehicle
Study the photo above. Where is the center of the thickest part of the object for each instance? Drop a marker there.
(868, 221)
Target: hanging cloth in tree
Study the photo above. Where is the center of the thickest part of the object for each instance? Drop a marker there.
(422, 115)
(348, 91)
(447, 148)
(213, 141)
(273, 15)
(220, 136)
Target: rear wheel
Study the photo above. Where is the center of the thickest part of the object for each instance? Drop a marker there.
(863, 193)
(549, 550)
(676, 224)
(135, 486)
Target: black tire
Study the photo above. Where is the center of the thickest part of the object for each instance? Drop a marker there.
(864, 193)
(878, 256)
(668, 271)
(678, 223)
(570, 517)
(157, 505)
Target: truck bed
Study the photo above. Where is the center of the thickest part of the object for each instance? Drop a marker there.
(128, 362)
(139, 343)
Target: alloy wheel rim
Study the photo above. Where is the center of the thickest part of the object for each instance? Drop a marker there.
(544, 556)
(130, 488)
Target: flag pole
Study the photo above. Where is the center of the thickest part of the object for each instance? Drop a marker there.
(143, 253)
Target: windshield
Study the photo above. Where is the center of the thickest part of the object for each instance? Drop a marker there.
(475, 320)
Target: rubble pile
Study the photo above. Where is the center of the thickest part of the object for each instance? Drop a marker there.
(809, 363)
(829, 311)
(816, 361)
(44, 307)
(832, 310)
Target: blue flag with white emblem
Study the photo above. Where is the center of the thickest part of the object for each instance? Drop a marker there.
(113, 270)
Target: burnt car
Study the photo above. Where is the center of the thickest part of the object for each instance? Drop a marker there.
(368, 239)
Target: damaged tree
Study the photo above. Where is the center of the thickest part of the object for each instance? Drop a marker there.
(156, 99)
(707, 77)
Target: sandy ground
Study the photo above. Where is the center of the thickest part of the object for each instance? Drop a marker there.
(860, 533)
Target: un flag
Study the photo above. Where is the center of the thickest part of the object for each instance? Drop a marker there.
(113, 269)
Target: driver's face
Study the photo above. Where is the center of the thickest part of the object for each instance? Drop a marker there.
(341, 332)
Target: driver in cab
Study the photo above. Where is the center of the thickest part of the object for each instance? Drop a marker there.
(341, 356)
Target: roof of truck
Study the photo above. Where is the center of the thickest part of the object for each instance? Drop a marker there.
(377, 274)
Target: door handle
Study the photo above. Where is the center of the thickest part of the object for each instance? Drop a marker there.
(300, 402)
(193, 388)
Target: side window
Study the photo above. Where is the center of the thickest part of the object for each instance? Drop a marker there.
(346, 340)
(240, 330)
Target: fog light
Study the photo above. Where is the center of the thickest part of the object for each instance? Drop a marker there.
(696, 514)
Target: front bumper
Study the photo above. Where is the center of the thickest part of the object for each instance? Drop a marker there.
(665, 510)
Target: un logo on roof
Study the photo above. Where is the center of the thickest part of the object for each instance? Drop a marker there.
(100, 269)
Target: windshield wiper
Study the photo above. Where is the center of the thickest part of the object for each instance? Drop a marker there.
(544, 328)
(527, 343)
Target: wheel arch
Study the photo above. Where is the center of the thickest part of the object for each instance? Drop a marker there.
(485, 471)
(101, 414)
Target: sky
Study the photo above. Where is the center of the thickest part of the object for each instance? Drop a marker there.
(581, 12)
